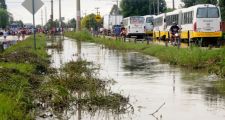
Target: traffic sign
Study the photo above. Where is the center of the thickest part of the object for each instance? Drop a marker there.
(29, 3)
(98, 18)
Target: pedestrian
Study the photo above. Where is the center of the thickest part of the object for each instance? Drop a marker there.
(5, 34)
(19, 33)
(23, 32)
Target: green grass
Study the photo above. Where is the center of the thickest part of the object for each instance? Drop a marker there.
(10, 109)
(20, 68)
(25, 78)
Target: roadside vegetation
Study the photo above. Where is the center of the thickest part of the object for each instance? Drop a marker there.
(21, 73)
(30, 88)
(193, 58)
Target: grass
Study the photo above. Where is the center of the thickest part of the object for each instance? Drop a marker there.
(21, 70)
(77, 84)
(28, 84)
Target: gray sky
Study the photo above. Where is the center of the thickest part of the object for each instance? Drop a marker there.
(68, 9)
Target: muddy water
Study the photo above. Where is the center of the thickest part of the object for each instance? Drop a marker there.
(187, 94)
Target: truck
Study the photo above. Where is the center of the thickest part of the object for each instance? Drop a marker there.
(110, 21)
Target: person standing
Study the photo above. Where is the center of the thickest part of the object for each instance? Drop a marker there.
(5, 34)
(23, 32)
(19, 33)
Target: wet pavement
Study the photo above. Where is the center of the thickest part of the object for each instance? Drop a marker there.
(187, 94)
(10, 40)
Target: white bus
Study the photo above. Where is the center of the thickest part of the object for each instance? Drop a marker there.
(159, 29)
(134, 26)
(199, 23)
(149, 19)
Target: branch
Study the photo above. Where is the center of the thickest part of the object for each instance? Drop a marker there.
(158, 109)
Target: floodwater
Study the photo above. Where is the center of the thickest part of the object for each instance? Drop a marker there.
(187, 94)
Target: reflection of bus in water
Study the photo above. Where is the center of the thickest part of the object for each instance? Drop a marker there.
(149, 19)
(134, 26)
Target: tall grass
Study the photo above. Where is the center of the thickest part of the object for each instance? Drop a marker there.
(20, 68)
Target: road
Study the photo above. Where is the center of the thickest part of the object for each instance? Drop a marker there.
(10, 40)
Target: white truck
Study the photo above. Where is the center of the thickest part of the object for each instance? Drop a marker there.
(110, 21)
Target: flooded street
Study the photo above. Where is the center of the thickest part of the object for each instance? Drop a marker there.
(187, 94)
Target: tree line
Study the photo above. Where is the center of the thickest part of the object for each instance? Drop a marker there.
(149, 7)
(4, 16)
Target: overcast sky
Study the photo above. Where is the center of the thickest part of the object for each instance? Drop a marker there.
(68, 9)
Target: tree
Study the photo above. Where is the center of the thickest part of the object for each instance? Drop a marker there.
(72, 23)
(188, 3)
(222, 8)
(141, 7)
(89, 21)
(4, 18)
(2, 4)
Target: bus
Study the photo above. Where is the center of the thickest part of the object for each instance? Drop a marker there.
(134, 26)
(201, 24)
(149, 19)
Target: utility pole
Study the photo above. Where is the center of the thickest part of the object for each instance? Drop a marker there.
(97, 10)
(158, 7)
(51, 13)
(46, 15)
(117, 10)
(42, 18)
(34, 30)
(173, 5)
(78, 16)
(60, 18)
(153, 7)
(149, 7)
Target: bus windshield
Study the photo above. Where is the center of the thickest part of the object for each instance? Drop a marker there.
(149, 20)
(208, 12)
(137, 20)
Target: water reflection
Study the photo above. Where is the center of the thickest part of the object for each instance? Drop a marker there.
(187, 94)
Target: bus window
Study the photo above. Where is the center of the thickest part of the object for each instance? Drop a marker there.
(210, 12)
(137, 20)
(213, 12)
(202, 13)
(149, 20)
